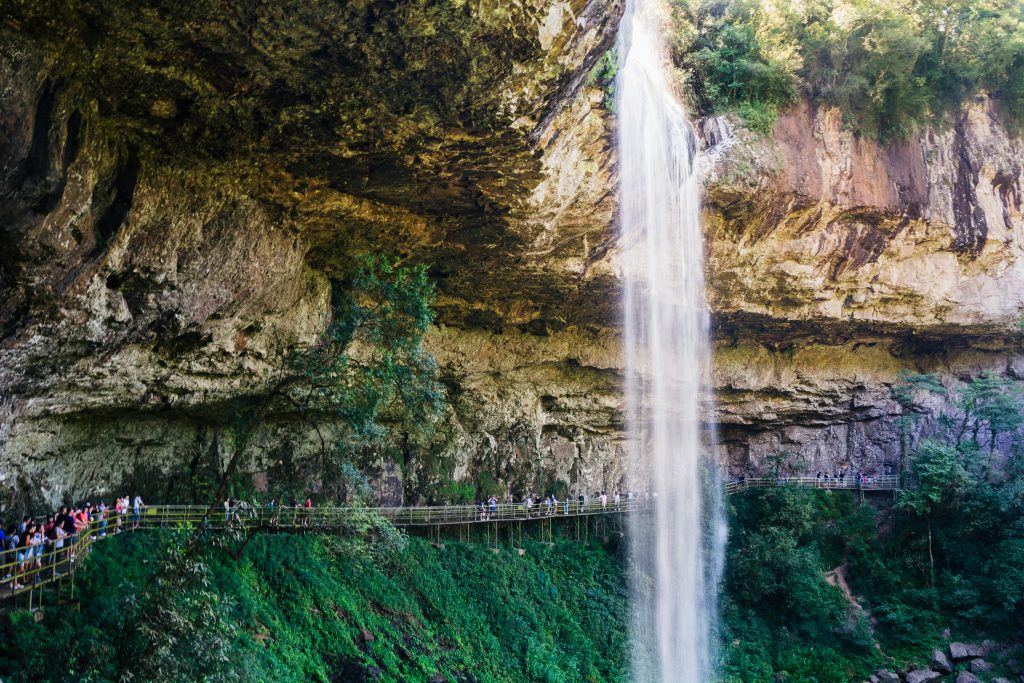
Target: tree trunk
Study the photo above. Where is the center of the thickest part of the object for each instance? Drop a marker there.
(931, 554)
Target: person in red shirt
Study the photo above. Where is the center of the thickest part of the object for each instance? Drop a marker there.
(81, 518)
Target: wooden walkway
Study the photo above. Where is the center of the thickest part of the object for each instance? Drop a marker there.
(22, 584)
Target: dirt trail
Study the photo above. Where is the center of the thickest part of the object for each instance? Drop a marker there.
(837, 577)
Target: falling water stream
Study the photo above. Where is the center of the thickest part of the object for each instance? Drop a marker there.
(677, 549)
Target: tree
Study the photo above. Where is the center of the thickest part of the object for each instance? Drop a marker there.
(939, 478)
(370, 358)
(367, 370)
(992, 402)
(906, 392)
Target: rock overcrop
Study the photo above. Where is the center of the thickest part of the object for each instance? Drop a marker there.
(942, 665)
(144, 291)
(980, 666)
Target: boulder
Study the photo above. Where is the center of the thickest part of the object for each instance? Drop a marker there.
(980, 666)
(1000, 679)
(885, 676)
(922, 676)
(940, 662)
(967, 677)
(962, 651)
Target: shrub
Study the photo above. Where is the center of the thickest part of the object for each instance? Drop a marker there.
(889, 66)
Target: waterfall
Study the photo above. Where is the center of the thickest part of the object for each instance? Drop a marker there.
(676, 550)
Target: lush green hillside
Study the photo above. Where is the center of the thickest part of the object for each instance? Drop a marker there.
(312, 608)
(785, 613)
(390, 608)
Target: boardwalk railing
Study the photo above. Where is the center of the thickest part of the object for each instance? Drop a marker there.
(27, 570)
(852, 483)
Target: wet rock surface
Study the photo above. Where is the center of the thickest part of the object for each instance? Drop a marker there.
(964, 651)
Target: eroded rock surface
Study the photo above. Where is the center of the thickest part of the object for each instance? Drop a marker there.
(835, 262)
(179, 186)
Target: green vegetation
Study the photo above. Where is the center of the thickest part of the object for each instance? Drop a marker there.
(603, 76)
(365, 384)
(369, 369)
(382, 314)
(950, 553)
(780, 614)
(889, 65)
(373, 604)
(314, 608)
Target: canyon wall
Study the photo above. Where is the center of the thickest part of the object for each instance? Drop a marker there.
(176, 198)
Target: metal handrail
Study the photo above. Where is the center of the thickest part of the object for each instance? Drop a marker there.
(288, 518)
(54, 563)
(888, 482)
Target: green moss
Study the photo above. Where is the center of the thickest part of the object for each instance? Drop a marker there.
(312, 608)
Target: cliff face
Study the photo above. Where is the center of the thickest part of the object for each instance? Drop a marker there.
(835, 262)
(815, 225)
(179, 186)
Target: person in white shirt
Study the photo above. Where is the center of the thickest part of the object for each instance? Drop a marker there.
(58, 542)
(137, 510)
(101, 510)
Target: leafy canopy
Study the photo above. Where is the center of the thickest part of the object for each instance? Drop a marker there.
(891, 66)
(370, 361)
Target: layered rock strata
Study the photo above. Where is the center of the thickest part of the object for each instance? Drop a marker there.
(180, 187)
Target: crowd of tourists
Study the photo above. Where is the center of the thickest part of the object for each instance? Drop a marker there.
(534, 506)
(844, 477)
(32, 545)
(301, 511)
